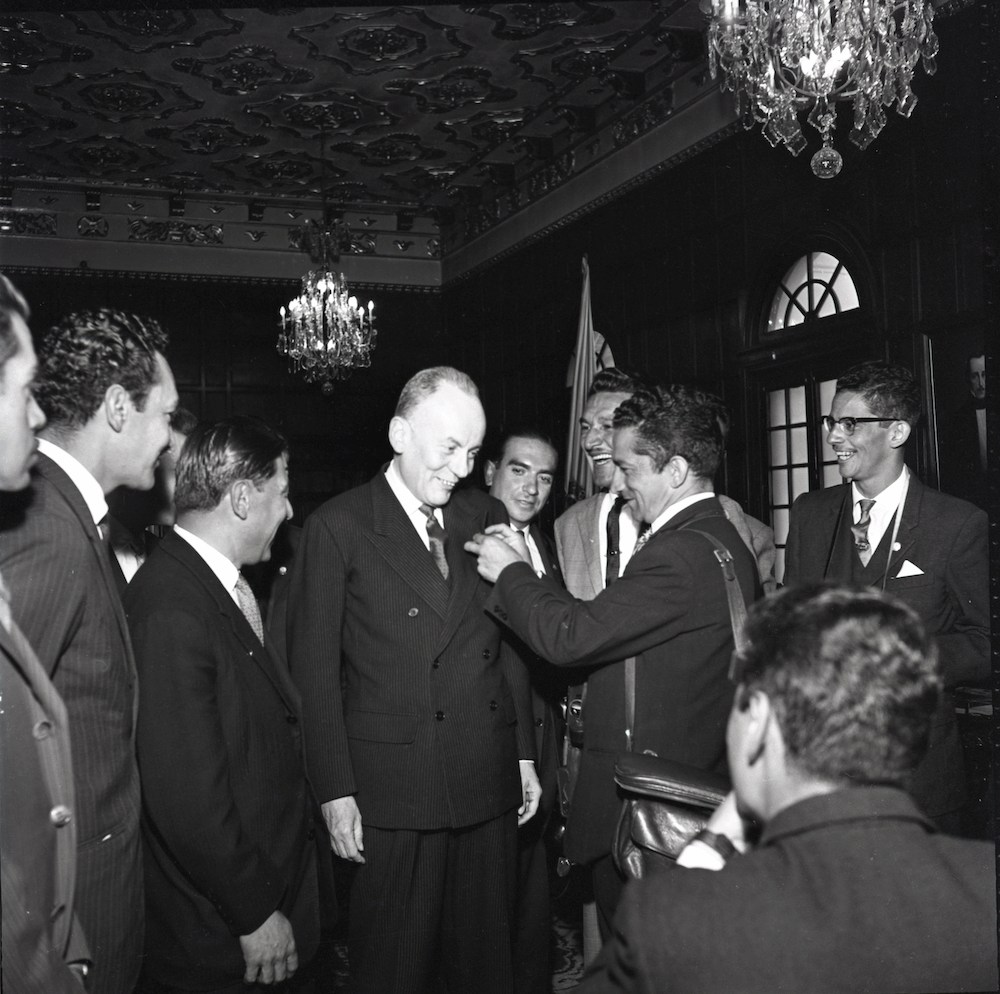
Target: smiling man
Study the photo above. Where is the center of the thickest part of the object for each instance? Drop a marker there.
(417, 719)
(229, 835)
(885, 529)
(108, 393)
(668, 610)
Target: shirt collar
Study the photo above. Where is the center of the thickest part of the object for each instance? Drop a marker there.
(410, 503)
(83, 479)
(676, 509)
(220, 565)
(887, 498)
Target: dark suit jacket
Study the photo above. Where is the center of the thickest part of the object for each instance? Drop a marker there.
(945, 538)
(961, 468)
(40, 931)
(669, 610)
(847, 892)
(65, 602)
(410, 701)
(228, 817)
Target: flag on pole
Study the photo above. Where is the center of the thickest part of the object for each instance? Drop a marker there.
(590, 355)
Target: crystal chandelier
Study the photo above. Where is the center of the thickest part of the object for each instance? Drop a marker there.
(325, 332)
(782, 57)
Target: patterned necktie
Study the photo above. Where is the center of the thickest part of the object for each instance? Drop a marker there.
(5, 616)
(644, 532)
(613, 567)
(437, 536)
(860, 530)
(248, 605)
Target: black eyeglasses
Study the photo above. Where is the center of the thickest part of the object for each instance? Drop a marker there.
(847, 424)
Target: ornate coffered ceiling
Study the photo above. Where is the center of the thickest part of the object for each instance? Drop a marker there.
(437, 120)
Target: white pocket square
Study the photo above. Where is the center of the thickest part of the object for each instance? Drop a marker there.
(908, 569)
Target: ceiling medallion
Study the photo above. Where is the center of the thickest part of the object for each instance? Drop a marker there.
(782, 57)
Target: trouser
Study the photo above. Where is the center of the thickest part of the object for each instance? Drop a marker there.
(426, 903)
(608, 886)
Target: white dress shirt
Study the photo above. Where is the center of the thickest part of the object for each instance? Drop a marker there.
(676, 509)
(883, 509)
(411, 504)
(628, 534)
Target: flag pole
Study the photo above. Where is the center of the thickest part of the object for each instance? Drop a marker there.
(579, 480)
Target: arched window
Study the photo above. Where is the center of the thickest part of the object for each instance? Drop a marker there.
(816, 286)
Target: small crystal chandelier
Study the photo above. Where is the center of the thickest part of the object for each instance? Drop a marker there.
(325, 332)
(781, 57)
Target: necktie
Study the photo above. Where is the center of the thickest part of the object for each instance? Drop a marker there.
(248, 605)
(613, 567)
(644, 532)
(860, 530)
(437, 536)
(5, 616)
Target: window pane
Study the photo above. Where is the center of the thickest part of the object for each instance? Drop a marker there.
(779, 487)
(779, 455)
(847, 292)
(800, 481)
(828, 307)
(775, 408)
(800, 451)
(795, 286)
(831, 475)
(777, 316)
(779, 565)
(780, 518)
(797, 404)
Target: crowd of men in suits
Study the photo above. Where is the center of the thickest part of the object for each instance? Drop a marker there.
(405, 717)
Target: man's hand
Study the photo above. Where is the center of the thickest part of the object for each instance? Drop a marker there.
(497, 549)
(726, 820)
(343, 819)
(269, 952)
(531, 791)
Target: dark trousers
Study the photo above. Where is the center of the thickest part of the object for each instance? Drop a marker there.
(533, 923)
(429, 903)
(608, 887)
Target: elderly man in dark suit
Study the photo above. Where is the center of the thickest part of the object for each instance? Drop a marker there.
(850, 888)
(229, 835)
(417, 720)
(520, 473)
(885, 529)
(108, 393)
(44, 951)
(669, 610)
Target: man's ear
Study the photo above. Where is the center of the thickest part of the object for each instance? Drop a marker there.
(899, 432)
(399, 433)
(758, 726)
(239, 498)
(678, 468)
(489, 471)
(116, 406)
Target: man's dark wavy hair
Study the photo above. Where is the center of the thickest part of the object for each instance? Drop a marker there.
(89, 351)
(852, 677)
(888, 391)
(614, 379)
(216, 455)
(672, 422)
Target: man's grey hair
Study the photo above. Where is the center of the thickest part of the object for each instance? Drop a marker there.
(421, 385)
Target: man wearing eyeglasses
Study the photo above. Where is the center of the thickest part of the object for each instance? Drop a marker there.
(889, 531)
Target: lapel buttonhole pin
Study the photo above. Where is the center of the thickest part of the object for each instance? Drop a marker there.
(896, 547)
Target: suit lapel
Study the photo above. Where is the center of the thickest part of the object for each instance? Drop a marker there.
(464, 575)
(549, 560)
(908, 526)
(266, 656)
(840, 544)
(69, 491)
(397, 541)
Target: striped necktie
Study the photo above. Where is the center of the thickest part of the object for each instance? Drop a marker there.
(437, 535)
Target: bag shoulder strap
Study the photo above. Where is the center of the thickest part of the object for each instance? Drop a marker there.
(737, 619)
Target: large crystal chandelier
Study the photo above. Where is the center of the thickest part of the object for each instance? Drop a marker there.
(325, 332)
(783, 57)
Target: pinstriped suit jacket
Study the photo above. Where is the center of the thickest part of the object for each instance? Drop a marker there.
(410, 702)
(65, 602)
(40, 931)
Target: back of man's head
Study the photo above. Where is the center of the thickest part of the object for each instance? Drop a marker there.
(888, 391)
(672, 422)
(217, 455)
(89, 351)
(11, 303)
(852, 678)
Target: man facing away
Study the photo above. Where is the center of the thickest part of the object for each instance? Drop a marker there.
(520, 473)
(885, 529)
(108, 394)
(44, 951)
(229, 833)
(850, 888)
(669, 610)
(417, 720)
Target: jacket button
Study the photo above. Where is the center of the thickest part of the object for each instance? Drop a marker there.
(413, 612)
(60, 815)
(291, 719)
(42, 729)
(539, 722)
(486, 653)
(493, 705)
(439, 715)
(435, 665)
